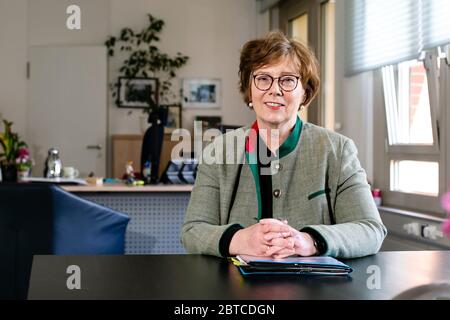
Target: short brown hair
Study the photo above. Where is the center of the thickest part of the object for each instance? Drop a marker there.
(269, 49)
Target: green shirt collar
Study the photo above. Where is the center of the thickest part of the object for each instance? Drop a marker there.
(291, 142)
(287, 147)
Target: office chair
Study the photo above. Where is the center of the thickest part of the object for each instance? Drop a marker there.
(44, 219)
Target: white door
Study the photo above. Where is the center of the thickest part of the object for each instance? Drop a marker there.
(67, 107)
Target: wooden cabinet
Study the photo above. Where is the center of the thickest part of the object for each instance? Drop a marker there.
(127, 147)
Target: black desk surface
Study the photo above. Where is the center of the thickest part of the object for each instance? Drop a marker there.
(193, 277)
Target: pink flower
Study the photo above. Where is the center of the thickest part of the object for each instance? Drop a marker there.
(445, 202)
(23, 160)
(446, 227)
(23, 153)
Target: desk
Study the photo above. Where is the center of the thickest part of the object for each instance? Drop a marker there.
(156, 213)
(193, 277)
(121, 187)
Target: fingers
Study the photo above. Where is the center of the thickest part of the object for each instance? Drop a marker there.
(280, 252)
(277, 252)
(284, 253)
(280, 247)
(268, 237)
(274, 225)
(275, 228)
(265, 250)
(275, 221)
(274, 235)
(287, 243)
(273, 250)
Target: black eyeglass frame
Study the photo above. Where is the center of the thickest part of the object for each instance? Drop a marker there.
(273, 79)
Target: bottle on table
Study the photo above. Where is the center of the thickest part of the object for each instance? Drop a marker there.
(376, 193)
(147, 172)
(53, 164)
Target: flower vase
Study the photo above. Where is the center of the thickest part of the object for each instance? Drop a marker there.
(21, 174)
(9, 172)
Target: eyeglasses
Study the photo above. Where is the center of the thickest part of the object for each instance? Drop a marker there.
(264, 82)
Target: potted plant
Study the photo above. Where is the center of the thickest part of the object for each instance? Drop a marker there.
(24, 163)
(144, 59)
(11, 145)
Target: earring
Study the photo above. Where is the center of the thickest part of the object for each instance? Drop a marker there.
(250, 105)
(302, 104)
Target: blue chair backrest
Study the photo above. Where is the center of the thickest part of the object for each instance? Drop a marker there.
(84, 227)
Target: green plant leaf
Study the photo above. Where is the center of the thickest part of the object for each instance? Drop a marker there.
(149, 60)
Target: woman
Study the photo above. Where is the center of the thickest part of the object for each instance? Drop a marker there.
(298, 189)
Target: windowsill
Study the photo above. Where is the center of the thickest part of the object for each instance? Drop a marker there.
(411, 213)
(407, 226)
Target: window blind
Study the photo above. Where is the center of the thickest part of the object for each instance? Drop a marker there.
(436, 23)
(382, 32)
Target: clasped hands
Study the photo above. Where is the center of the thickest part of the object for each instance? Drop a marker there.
(272, 238)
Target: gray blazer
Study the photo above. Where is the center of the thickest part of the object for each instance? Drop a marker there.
(322, 187)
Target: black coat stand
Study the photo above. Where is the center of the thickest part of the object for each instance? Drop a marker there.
(153, 140)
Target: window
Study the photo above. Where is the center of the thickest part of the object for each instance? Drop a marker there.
(407, 104)
(419, 177)
(404, 41)
(414, 109)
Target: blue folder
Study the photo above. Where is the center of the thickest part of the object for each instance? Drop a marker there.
(252, 265)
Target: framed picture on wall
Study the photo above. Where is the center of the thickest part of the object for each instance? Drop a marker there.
(173, 117)
(209, 122)
(137, 92)
(201, 93)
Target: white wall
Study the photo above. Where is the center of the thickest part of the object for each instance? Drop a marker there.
(354, 99)
(13, 59)
(47, 22)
